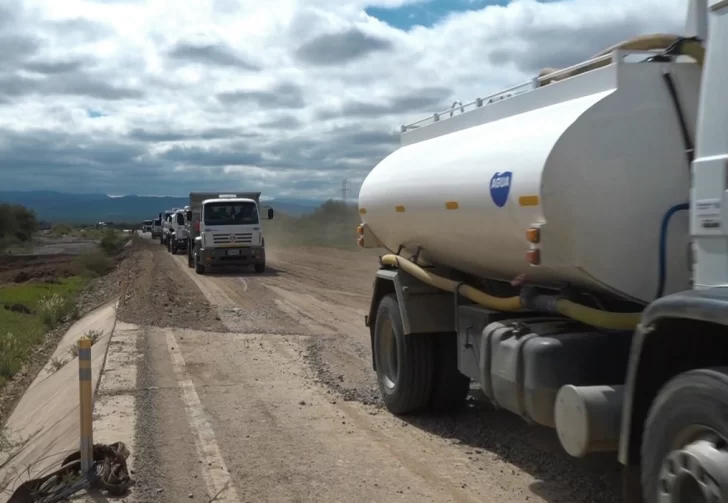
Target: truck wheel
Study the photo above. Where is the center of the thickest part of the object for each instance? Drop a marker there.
(450, 388)
(199, 268)
(174, 247)
(260, 268)
(190, 259)
(404, 362)
(685, 444)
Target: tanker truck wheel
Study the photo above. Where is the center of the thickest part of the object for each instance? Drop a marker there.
(685, 443)
(450, 387)
(405, 363)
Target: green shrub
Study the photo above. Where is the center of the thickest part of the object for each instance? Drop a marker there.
(61, 230)
(54, 309)
(48, 303)
(95, 263)
(11, 354)
(333, 224)
(111, 243)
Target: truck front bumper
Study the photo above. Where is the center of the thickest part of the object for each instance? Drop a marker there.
(232, 256)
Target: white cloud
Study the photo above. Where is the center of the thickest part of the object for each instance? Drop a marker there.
(286, 96)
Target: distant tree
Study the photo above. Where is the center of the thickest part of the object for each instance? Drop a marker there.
(334, 212)
(17, 223)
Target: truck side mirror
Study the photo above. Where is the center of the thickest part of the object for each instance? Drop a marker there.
(270, 213)
(189, 215)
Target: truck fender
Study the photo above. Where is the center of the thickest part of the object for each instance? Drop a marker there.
(424, 309)
(679, 332)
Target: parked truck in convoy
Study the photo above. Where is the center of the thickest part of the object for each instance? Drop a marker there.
(564, 244)
(225, 229)
(147, 226)
(178, 236)
(166, 217)
(156, 228)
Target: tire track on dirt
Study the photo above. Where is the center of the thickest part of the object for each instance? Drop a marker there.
(482, 453)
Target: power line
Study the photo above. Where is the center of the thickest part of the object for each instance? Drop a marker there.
(344, 190)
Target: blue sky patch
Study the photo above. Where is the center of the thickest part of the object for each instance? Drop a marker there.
(427, 13)
(95, 114)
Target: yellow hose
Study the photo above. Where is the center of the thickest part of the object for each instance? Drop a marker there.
(596, 317)
(587, 315)
(482, 298)
(642, 43)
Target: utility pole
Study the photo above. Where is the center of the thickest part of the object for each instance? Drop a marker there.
(344, 190)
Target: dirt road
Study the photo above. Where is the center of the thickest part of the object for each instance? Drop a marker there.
(260, 388)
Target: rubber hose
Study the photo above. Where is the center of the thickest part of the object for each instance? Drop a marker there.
(662, 262)
(597, 317)
(477, 296)
(587, 315)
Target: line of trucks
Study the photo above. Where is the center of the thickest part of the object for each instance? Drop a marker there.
(564, 245)
(215, 229)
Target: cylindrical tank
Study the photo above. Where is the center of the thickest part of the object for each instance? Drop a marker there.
(597, 160)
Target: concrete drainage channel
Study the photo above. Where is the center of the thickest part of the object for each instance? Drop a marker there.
(44, 428)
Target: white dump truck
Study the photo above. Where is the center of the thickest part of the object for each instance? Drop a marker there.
(165, 218)
(178, 236)
(564, 245)
(156, 228)
(224, 229)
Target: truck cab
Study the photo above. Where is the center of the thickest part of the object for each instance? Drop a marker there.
(178, 234)
(146, 225)
(156, 228)
(226, 230)
(166, 224)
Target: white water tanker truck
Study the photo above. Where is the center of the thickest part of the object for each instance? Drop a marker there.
(563, 245)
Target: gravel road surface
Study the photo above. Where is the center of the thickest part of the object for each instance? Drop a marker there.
(260, 388)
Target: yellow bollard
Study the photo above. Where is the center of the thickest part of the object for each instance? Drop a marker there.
(85, 403)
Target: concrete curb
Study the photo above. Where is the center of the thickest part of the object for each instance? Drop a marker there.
(46, 419)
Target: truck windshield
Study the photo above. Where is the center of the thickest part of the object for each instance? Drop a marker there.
(157, 222)
(231, 213)
(180, 219)
(147, 222)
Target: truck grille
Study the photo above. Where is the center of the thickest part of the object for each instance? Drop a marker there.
(223, 239)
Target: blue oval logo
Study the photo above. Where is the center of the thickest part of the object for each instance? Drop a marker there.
(500, 187)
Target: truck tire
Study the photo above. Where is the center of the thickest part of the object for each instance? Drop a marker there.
(173, 247)
(199, 268)
(687, 422)
(190, 259)
(405, 363)
(450, 388)
(260, 268)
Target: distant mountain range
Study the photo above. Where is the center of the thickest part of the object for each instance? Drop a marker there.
(91, 208)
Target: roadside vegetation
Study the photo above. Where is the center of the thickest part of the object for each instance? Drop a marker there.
(17, 225)
(28, 311)
(85, 231)
(333, 224)
(34, 304)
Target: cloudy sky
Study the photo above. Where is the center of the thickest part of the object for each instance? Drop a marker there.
(161, 97)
